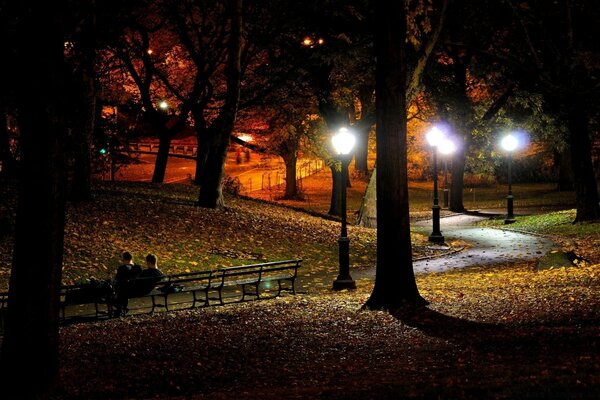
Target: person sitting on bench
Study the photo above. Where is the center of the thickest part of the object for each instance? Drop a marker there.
(125, 273)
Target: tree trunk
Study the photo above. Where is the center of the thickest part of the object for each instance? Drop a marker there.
(7, 160)
(362, 129)
(201, 148)
(160, 166)
(457, 179)
(564, 170)
(31, 337)
(395, 284)
(335, 206)
(211, 187)
(81, 186)
(586, 189)
(291, 189)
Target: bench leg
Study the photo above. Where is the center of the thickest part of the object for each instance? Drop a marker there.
(196, 300)
(166, 295)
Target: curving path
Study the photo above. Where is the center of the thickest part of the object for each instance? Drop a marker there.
(487, 246)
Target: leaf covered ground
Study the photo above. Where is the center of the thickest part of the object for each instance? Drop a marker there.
(502, 331)
(143, 218)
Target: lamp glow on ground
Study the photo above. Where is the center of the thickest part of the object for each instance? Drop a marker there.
(435, 137)
(509, 143)
(343, 144)
(446, 148)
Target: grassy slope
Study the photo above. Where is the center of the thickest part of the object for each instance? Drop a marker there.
(490, 332)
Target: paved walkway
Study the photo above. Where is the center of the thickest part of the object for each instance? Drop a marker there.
(487, 245)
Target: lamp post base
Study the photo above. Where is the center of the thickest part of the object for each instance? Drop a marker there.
(436, 238)
(344, 282)
(509, 221)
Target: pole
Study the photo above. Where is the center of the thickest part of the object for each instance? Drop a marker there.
(344, 280)
(445, 182)
(436, 236)
(510, 217)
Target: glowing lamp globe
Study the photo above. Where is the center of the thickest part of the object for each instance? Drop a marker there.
(447, 146)
(509, 143)
(343, 142)
(435, 136)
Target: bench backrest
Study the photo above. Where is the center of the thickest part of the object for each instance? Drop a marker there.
(256, 271)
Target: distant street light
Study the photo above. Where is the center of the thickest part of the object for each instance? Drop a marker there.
(447, 147)
(435, 137)
(343, 143)
(163, 105)
(509, 143)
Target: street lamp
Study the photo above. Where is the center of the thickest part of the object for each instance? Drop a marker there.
(435, 137)
(509, 143)
(343, 143)
(447, 147)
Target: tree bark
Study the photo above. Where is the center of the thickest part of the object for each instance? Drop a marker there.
(335, 206)
(162, 158)
(211, 187)
(291, 188)
(81, 186)
(31, 337)
(7, 160)
(457, 177)
(395, 284)
(564, 170)
(362, 129)
(586, 189)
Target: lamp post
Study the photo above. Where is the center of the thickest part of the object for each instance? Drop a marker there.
(509, 143)
(435, 137)
(447, 147)
(343, 143)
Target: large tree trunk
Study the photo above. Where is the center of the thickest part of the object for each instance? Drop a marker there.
(201, 147)
(81, 186)
(31, 338)
(362, 129)
(291, 188)
(586, 190)
(457, 177)
(563, 169)
(395, 284)
(211, 187)
(160, 166)
(335, 206)
(7, 160)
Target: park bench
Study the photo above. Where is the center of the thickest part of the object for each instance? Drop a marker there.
(98, 293)
(204, 284)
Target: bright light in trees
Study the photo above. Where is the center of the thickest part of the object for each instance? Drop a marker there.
(447, 146)
(307, 41)
(163, 105)
(343, 142)
(435, 136)
(245, 137)
(509, 142)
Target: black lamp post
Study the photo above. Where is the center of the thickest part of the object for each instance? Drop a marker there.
(343, 142)
(447, 147)
(509, 143)
(435, 137)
